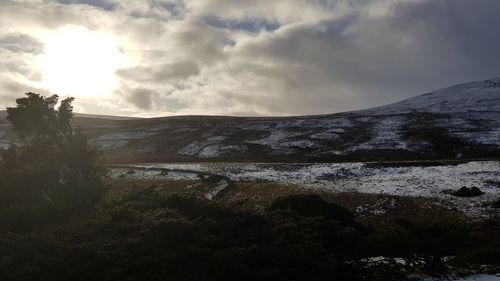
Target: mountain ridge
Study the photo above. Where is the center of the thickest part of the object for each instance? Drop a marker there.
(470, 96)
(483, 95)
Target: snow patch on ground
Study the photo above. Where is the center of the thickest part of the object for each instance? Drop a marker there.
(456, 123)
(196, 147)
(376, 209)
(109, 144)
(326, 135)
(221, 185)
(480, 277)
(386, 134)
(274, 139)
(283, 143)
(153, 174)
(340, 123)
(364, 119)
(408, 180)
(486, 137)
(300, 144)
(4, 145)
(415, 181)
(213, 151)
(116, 140)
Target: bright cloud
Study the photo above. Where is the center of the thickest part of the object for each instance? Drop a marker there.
(79, 62)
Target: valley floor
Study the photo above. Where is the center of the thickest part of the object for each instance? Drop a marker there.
(378, 194)
(432, 182)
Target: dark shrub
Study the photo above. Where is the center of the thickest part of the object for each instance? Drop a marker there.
(467, 192)
(424, 243)
(493, 183)
(496, 204)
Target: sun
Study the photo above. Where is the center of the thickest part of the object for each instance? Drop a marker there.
(80, 62)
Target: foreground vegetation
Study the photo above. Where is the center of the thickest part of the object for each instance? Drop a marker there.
(146, 235)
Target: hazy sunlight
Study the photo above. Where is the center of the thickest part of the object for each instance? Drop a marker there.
(77, 61)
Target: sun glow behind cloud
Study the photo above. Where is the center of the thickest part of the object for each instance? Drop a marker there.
(80, 62)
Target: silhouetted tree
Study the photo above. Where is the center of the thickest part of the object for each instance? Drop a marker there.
(50, 165)
(35, 118)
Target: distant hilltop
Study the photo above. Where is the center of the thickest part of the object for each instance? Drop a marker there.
(479, 96)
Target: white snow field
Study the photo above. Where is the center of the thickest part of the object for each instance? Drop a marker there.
(413, 181)
(386, 134)
(480, 277)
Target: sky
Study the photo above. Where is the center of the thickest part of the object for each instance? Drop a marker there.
(242, 57)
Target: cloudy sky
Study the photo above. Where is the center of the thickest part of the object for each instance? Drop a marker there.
(243, 57)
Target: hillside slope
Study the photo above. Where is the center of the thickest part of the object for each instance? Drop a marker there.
(474, 96)
(460, 122)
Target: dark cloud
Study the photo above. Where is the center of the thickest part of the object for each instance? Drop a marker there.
(201, 43)
(162, 73)
(358, 61)
(248, 25)
(157, 9)
(11, 90)
(103, 4)
(175, 8)
(140, 97)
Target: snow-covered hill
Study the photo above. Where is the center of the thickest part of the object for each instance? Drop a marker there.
(473, 96)
(462, 122)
